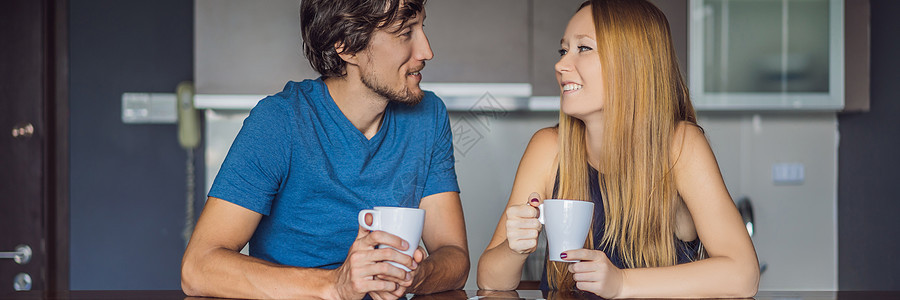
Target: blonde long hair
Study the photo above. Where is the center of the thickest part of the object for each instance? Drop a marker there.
(646, 97)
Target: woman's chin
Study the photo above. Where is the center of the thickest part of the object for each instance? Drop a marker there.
(576, 112)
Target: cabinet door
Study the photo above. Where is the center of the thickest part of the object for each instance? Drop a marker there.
(676, 12)
(767, 54)
(247, 47)
(253, 47)
(478, 41)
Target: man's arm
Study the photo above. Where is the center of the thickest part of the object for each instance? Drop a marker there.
(444, 235)
(213, 266)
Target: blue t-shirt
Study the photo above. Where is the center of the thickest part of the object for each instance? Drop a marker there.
(308, 170)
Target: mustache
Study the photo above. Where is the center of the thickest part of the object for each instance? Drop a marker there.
(418, 69)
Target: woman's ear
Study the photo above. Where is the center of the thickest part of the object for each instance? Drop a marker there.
(347, 57)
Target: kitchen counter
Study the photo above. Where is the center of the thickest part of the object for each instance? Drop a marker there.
(452, 295)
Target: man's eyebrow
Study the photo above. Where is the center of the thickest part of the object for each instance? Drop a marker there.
(411, 24)
(400, 25)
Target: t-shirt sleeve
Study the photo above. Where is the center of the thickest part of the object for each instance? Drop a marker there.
(441, 172)
(257, 163)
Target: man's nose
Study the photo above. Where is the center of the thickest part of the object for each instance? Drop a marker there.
(423, 49)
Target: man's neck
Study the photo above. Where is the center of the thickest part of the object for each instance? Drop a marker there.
(358, 103)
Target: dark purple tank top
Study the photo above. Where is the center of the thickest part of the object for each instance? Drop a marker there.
(687, 251)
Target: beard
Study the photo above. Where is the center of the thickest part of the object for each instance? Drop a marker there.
(402, 95)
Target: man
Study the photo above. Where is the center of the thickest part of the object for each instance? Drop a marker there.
(308, 159)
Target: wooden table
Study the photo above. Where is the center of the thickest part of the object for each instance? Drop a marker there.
(451, 295)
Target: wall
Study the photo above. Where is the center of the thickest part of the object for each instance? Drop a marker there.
(127, 181)
(868, 163)
(796, 231)
(488, 149)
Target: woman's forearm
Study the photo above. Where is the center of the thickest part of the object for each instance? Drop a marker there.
(500, 268)
(715, 277)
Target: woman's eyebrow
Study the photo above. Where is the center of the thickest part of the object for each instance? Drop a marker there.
(577, 37)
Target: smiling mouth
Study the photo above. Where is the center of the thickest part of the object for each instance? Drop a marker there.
(417, 71)
(569, 87)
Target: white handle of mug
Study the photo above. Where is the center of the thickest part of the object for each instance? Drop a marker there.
(541, 213)
(376, 224)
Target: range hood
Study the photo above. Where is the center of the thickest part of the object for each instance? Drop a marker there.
(457, 97)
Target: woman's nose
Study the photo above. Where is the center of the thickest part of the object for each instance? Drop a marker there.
(563, 65)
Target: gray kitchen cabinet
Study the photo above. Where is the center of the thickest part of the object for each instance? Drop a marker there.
(677, 14)
(478, 41)
(252, 48)
(247, 47)
(550, 18)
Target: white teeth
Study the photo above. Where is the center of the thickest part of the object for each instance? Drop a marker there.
(571, 87)
(413, 73)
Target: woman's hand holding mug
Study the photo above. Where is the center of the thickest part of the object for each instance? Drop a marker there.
(522, 225)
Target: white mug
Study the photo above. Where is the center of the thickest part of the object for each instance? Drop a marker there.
(403, 222)
(566, 223)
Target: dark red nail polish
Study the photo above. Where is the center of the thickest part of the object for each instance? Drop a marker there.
(534, 200)
(562, 255)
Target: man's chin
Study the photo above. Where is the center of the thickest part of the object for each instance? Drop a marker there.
(413, 96)
(411, 99)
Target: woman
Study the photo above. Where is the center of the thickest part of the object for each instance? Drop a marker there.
(628, 141)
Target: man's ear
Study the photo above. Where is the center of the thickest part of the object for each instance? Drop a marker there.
(349, 58)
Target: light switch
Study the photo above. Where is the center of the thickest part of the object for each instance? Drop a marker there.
(158, 108)
(787, 173)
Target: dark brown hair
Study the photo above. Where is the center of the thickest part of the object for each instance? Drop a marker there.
(323, 23)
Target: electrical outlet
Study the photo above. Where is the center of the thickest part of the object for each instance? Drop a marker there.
(788, 173)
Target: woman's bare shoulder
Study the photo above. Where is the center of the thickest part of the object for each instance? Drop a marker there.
(544, 145)
(546, 137)
(687, 136)
(540, 159)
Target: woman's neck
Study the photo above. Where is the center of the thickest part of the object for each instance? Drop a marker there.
(593, 131)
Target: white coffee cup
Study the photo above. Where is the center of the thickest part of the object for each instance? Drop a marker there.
(566, 223)
(403, 222)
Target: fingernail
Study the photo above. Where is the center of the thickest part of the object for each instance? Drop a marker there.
(408, 276)
(404, 244)
(535, 200)
(562, 255)
(415, 264)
